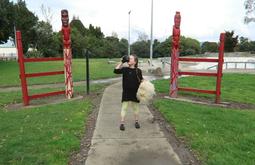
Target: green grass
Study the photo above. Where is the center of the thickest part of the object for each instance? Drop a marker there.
(218, 135)
(44, 135)
(235, 87)
(99, 68)
(16, 96)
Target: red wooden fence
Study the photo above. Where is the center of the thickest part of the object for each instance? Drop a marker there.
(67, 60)
(24, 75)
(175, 73)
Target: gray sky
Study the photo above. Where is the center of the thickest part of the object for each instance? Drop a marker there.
(201, 19)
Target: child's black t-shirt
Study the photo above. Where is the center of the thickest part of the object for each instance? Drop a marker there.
(131, 78)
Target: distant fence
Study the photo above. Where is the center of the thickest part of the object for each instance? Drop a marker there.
(8, 56)
(235, 65)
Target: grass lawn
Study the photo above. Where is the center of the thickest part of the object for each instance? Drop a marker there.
(217, 135)
(44, 135)
(99, 68)
(235, 87)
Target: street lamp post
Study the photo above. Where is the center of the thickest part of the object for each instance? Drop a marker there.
(129, 32)
(151, 43)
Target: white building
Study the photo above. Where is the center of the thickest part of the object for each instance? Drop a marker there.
(8, 53)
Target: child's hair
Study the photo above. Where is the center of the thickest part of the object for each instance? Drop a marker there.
(136, 60)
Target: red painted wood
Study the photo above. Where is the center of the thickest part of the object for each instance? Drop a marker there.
(197, 90)
(22, 69)
(67, 52)
(197, 59)
(43, 59)
(29, 75)
(46, 94)
(220, 67)
(175, 55)
(175, 61)
(198, 74)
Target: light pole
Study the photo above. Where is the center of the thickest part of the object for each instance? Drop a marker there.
(151, 44)
(129, 32)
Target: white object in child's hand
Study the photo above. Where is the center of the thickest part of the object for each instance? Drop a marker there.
(145, 92)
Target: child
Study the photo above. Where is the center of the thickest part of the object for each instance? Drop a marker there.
(131, 79)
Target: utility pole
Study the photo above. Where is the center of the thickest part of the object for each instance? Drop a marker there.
(129, 32)
(151, 44)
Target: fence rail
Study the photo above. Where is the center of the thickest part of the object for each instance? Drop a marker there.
(227, 65)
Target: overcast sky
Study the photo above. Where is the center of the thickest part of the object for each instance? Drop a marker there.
(201, 19)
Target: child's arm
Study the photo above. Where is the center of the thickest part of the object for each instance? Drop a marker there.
(118, 69)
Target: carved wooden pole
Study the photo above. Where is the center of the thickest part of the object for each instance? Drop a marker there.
(67, 51)
(175, 55)
(220, 68)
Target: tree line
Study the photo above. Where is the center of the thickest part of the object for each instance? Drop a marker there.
(39, 36)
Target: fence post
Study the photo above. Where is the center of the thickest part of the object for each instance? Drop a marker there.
(22, 68)
(175, 55)
(67, 53)
(220, 65)
(86, 53)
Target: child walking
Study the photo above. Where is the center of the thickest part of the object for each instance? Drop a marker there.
(131, 79)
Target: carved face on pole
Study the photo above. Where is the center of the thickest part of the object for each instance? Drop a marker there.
(177, 20)
(64, 18)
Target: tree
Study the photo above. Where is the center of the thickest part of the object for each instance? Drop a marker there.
(163, 49)
(141, 48)
(123, 47)
(6, 20)
(156, 53)
(189, 46)
(142, 36)
(76, 23)
(44, 39)
(78, 43)
(209, 47)
(249, 6)
(94, 45)
(24, 20)
(244, 45)
(111, 47)
(95, 31)
(47, 14)
(114, 34)
(252, 46)
(230, 41)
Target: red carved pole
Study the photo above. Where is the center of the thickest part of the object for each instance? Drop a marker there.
(220, 67)
(175, 55)
(67, 51)
(22, 69)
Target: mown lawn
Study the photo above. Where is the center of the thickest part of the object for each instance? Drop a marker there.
(217, 135)
(99, 69)
(44, 135)
(235, 87)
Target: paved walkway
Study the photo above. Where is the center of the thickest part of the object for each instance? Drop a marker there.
(144, 146)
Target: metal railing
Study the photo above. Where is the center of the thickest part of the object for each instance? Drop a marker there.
(228, 65)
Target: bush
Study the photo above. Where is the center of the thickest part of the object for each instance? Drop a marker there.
(34, 54)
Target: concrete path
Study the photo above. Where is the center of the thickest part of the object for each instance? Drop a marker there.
(144, 146)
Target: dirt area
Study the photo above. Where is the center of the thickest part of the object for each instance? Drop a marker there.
(42, 102)
(210, 102)
(58, 85)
